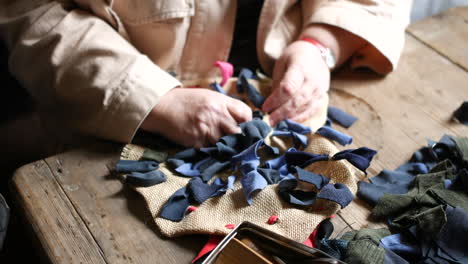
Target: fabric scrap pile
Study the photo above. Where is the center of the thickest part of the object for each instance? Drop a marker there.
(425, 203)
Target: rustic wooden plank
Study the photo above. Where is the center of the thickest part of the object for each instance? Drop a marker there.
(398, 113)
(446, 33)
(116, 215)
(63, 235)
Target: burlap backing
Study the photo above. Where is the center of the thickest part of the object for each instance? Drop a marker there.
(213, 215)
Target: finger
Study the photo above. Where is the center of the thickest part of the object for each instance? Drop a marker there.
(287, 88)
(287, 111)
(229, 126)
(309, 112)
(214, 135)
(239, 111)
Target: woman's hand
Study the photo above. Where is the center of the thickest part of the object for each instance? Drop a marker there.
(196, 117)
(300, 79)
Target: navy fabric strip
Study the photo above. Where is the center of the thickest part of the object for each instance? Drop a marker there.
(360, 157)
(335, 135)
(303, 159)
(175, 207)
(292, 129)
(271, 176)
(200, 191)
(243, 81)
(461, 114)
(296, 197)
(338, 193)
(316, 179)
(145, 179)
(126, 166)
(341, 117)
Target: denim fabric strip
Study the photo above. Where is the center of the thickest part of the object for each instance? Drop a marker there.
(338, 193)
(254, 96)
(303, 159)
(217, 87)
(387, 181)
(341, 117)
(126, 166)
(316, 179)
(360, 157)
(200, 191)
(292, 129)
(271, 176)
(335, 135)
(145, 179)
(175, 207)
(296, 197)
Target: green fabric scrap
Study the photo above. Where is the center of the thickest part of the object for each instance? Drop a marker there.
(363, 246)
(159, 156)
(462, 146)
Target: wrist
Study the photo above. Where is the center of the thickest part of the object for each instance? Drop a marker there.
(325, 53)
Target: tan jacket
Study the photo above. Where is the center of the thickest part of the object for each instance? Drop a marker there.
(99, 66)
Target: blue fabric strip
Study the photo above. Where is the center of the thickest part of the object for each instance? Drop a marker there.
(126, 166)
(335, 135)
(145, 179)
(217, 87)
(175, 207)
(338, 193)
(297, 197)
(243, 85)
(316, 179)
(340, 117)
(303, 159)
(360, 157)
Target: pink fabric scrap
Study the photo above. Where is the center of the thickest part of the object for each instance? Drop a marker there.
(227, 70)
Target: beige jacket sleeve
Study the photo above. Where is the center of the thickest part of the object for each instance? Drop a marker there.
(381, 23)
(79, 69)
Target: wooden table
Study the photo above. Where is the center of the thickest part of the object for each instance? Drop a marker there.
(80, 213)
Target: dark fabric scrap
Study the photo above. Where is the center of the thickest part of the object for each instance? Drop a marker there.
(294, 130)
(297, 197)
(340, 117)
(200, 191)
(243, 85)
(461, 114)
(316, 179)
(360, 157)
(453, 238)
(146, 179)
(126, 166)
(175, 207)
(363, 246)
(271, 176)
(4, 219)
(336, 248)
(387, 181)
(338, 193)
(335, 135)
(303, 159)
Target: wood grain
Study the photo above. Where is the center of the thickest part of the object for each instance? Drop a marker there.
(115, 223)
(447, 33)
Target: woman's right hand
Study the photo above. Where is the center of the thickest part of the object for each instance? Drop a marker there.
(196, 117)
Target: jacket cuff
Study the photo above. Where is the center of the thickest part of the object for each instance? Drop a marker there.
(135, 97)
(385, 35)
